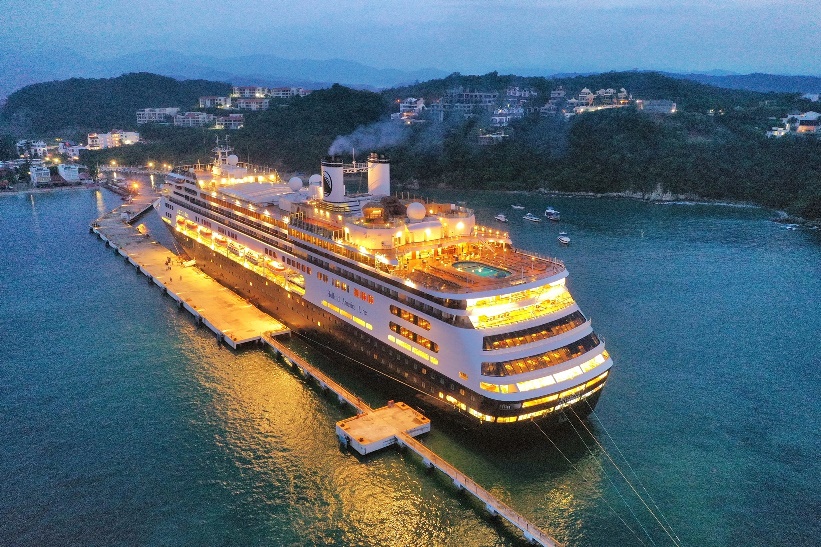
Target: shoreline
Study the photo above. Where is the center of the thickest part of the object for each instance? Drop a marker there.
(654, 197)
(22, 192)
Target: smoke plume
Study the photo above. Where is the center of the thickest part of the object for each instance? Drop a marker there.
(369, 138)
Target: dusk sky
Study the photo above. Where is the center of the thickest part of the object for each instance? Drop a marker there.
(470, 36)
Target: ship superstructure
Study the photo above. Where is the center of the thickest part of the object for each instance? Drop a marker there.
(415, 290)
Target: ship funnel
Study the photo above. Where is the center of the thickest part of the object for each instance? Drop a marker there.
(333, 184)
(379, 175)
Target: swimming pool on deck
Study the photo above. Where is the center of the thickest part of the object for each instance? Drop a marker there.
(480, 269)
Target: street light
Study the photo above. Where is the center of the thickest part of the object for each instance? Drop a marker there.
(151, 164)
(114, 163)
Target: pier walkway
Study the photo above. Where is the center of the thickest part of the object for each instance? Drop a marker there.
(372, 430)
(234, 320)
(494, 505)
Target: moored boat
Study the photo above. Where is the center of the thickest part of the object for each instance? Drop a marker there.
(531, 217)
(563, 238)
(501, 217)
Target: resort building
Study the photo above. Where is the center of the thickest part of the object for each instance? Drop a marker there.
(231, 121)
(194, 119)
(252, 104)
(157, 115)
(40, 175)
(656, 106)
(32, 149)
(215, 102)
(69, 172)
(98, 141)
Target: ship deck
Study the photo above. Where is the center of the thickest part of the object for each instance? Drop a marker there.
(438, 272)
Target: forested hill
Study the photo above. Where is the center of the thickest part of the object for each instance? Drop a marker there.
(714, 146)
(81, 104)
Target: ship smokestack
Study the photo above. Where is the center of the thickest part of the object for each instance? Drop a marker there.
(379, 175)
(333, 184)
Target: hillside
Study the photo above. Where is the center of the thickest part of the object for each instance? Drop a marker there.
(759, 82)
(88, 105)
(713, 147)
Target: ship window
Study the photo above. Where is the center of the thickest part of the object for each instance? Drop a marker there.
(544, 360)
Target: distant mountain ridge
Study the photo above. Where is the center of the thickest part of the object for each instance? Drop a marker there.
(757, 82)
(21, 68)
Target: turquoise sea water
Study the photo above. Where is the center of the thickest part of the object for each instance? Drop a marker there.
(124, 424)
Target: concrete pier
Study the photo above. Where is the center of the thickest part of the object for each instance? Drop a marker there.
(232, 319)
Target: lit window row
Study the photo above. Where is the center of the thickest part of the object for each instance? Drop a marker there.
(516, 296)
(543, 360)
(347, 315)
(549, 379)
(537, 413)
(533, 334)
(410, 317)
(341, 285)
(410, 335)
(416, 351)
(561, 301)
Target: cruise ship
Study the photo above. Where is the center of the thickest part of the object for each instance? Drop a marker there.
(412, 289)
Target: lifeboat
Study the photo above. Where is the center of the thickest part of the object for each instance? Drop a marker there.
(219, 240)
(206, 232)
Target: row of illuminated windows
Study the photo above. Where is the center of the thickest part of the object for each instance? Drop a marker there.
(559, 302)
(346, 314)
(410, 317)
(565, 399)
(549, 379)
(341, 285)
(410, 335)
(542, 360)
(416, 351)
(533, 334)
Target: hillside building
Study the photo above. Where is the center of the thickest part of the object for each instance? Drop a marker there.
(215, 102)
(194, 119)
(32, 149)
(231, 121)
(157, 115)
(98, 141)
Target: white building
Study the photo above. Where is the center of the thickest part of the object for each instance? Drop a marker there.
(503, 116)
(215, 102)
(252, 104)
(288, 92)
(557, 94)
(71, 173)
(231, 121)
(70, 149)
(98, 141)
(40, 175)
(808, 122)
(586, 96)
(32, 149)
(156, 115)
(194, 119)
(250, 92)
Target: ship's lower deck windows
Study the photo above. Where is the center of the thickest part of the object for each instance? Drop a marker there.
(347, 315)
(547, 359)
(548, 380)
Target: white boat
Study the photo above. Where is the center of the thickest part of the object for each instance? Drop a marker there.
(518, 206)
(404, 285)
(563, 238)
(552, 214)
(501, 217)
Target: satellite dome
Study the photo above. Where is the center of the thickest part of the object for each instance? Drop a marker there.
(315, 179)
(295, 183)
(233, 159)
(416, 211)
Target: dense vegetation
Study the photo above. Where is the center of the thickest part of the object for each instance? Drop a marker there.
(714, 147)
(82, 105)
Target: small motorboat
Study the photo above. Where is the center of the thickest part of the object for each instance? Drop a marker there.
(501, 217)
(552, 214)
(563, 238)
(532, 218)
(518, 206)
